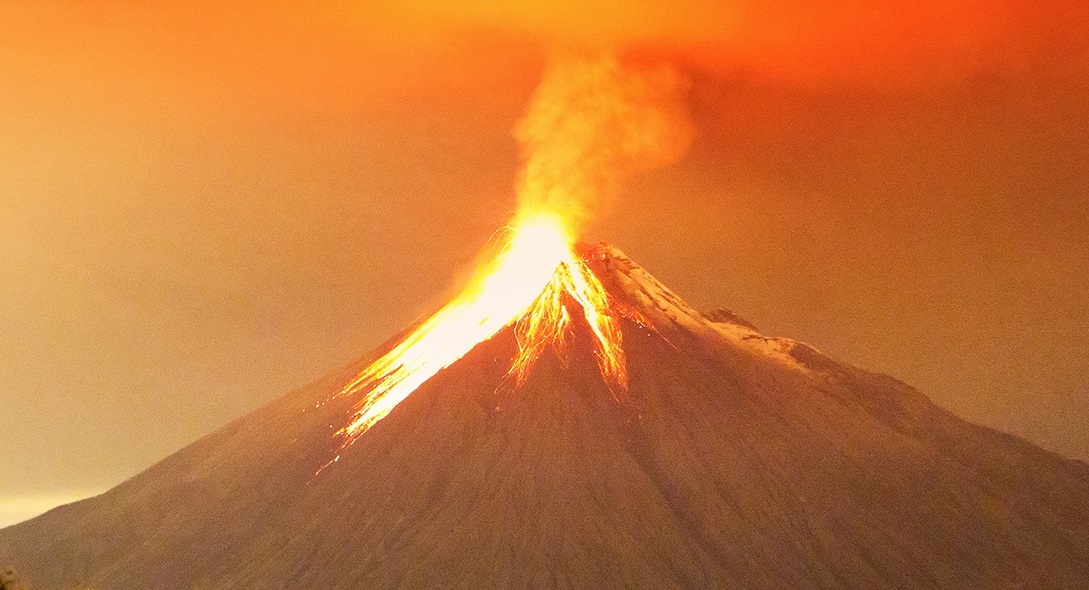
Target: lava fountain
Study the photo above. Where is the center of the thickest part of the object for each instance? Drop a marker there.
(525, 285)
(590, 124)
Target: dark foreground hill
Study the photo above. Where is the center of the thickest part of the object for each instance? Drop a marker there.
(734, 461)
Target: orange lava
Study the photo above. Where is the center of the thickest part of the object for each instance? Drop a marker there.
(528, 285)
(547, 323)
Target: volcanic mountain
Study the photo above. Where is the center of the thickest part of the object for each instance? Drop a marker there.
(731, 460)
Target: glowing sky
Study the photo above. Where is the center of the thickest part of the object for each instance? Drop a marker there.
(203, 207)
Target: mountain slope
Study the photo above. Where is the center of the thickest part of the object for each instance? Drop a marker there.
(734, 460)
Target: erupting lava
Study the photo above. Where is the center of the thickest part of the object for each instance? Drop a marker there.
(590, 123)
(528, 285)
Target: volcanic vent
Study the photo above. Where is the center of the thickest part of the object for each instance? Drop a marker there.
(733, 460)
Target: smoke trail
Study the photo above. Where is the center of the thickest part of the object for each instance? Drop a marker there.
(590, 124)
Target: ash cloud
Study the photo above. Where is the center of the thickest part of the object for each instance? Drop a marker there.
(806, 42)
(590, 124)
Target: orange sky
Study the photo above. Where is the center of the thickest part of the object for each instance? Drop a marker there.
(204, 206)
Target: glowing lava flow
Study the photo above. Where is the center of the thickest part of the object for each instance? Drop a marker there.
(527, 285)
(547, 322)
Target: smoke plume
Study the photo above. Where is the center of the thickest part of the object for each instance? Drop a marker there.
(590, 124)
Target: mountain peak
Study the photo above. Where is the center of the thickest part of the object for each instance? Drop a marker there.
(733, 459)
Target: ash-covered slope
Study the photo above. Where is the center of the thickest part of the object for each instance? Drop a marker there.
(734, 461)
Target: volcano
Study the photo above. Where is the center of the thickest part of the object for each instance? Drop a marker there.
(731, 460)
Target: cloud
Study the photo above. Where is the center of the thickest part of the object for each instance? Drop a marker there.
(591, 123)
(800, 40)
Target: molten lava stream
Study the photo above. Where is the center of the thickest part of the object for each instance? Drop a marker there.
(525, 285)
